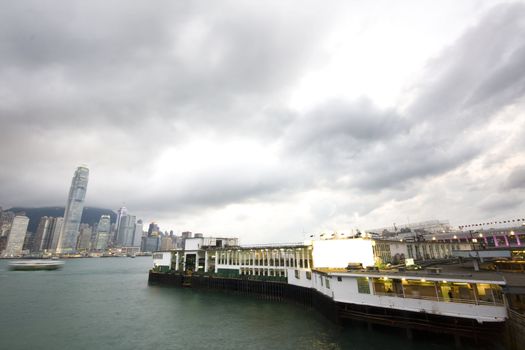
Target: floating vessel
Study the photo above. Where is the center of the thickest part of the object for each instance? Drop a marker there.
(35, 265)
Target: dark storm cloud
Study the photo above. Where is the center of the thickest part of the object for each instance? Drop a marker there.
(112, 85)
(338, 129)
(115, 84)
(478, 75)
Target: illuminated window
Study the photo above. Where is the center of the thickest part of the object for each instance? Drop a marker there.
(363, 286)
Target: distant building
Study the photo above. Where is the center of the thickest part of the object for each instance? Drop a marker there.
(126, 229)
(123, 211)
(16, 237)
(153, 230)
(43, 234)
(137, 235)
(187, 234)
(56, 229)
(6, 219)
(72, 215)
(84, 238)
(28, 242)
(103, 232)
(166, 243)
(150, 244)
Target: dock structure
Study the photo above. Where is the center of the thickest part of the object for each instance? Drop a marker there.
(341, 279)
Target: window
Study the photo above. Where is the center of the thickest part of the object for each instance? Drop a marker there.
(363, 286)
(308, 275)
(327, 283)
(339, 279)
(297, 274)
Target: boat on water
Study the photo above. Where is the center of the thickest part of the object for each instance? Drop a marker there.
(35, 265)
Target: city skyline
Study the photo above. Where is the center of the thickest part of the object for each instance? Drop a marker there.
(268, 120)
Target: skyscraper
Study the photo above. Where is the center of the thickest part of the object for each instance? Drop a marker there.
(137, 235)
(126, 230)
(43, 234)
(103, 232)
(84, 238)
(73, 213)
(17, 234)
(56, 229)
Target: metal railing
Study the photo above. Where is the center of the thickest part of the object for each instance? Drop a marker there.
(442, 299)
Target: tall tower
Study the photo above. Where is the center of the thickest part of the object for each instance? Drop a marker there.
(17, 233)
(75, 205)
(103, 230)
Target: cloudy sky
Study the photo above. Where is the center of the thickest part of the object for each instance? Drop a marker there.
(267, 120)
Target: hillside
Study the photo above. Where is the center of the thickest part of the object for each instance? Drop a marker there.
(89, 215)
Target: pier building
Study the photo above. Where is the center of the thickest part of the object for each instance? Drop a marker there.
(356, 279)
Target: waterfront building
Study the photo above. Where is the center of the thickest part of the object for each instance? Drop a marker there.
(56, 229)
(73, 213)
(16, 236)
(6, 219)
(126, 230)
(166, 243)
(346, 276)
(43, 234)
(137, 234)
(103, 232)
(28, 242)
(150, 243)
(153, 230)
(84, 238)
(123, 211)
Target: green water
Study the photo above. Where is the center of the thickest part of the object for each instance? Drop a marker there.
(107, 304)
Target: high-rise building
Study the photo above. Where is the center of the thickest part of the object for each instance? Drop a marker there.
(17, 234)
(126, 229)
(137, 235)
(123, 211)
(166, 243)
(103, 232)
(6, 219)
(56, 229)
(153, 230)
(84, 238)
(73, 213)
(43, 234)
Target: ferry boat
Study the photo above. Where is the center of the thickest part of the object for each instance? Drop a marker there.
(35, 265)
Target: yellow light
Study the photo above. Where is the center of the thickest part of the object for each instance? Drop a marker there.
(444, 281)
(423, 280)
(433, 238)
(403, 279)
(481, 234)
(455, 237)
(512, 233)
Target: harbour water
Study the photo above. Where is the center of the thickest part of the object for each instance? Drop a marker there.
(107, 304)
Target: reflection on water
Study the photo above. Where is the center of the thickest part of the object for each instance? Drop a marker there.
(107, 303)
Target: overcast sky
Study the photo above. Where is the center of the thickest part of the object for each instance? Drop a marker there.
(267, 120)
